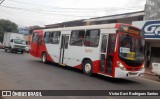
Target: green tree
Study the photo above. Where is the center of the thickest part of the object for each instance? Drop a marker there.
(7, 26)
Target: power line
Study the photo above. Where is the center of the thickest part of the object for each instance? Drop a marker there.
(2, 1)
(55, 12)
(54, 7)
(78, 9)
(41, 11)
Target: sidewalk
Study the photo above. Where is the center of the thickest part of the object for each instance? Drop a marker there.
(149, 75)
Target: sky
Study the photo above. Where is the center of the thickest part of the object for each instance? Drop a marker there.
(42, 12)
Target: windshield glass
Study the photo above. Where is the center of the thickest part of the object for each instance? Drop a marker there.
(131, 50)
(19, 41)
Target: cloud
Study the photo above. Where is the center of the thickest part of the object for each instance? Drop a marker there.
(51, 11)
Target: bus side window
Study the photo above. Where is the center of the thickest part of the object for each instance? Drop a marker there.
(77, 37)
(56, 37)
(35, 37)
(46, 37)
(92, 38)
(51, 38)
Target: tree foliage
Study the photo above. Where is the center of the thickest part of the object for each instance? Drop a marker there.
(7, 26)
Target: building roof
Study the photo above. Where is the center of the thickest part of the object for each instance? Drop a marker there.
(82, 21)
(63, 23)
(117, 16)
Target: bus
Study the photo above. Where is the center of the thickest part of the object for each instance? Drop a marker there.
(113, 50)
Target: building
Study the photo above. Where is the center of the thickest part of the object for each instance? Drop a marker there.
(24, 31)
(152, 10)
(151, 30)
(66, 24)
(118, 18)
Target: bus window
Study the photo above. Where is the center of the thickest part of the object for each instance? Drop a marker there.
(40, 41)
(77, 37)
(54, 37)
(104, 44)
(51, 38)
(66, 42)
(46, 37)
(131, 50)
(92, 38)
(112, 41)
(35, 37)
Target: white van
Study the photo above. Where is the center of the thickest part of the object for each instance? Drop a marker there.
(156, 67)
(14, 42)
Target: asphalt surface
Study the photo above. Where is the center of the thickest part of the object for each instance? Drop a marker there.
(24, 72)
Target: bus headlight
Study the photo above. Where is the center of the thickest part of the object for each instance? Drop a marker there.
(120, 65)
(142, 67)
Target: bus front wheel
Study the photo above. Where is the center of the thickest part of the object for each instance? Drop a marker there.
(44, 58)
(87, 67)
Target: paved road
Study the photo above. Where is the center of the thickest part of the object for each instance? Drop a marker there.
(25, 72)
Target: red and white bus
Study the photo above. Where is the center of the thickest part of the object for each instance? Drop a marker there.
(114, 50)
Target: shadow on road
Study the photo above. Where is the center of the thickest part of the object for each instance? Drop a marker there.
(97, 76)
(115, 80)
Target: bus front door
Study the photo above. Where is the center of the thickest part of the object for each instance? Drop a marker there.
(106, 57)
(63, 49)
(110, 54)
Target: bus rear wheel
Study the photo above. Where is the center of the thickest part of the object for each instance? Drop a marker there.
(87, 67)
(44, 58)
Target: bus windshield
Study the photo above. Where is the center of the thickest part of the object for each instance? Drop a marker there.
(19, 41)
(131, 50)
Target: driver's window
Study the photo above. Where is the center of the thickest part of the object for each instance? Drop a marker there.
(35, 37)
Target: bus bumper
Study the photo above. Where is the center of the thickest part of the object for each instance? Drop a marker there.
(124, 74)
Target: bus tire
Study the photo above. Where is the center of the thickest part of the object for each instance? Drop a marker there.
(44, 58)
(87, 67)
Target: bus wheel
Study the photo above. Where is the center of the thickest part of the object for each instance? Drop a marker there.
(44, 58)
(87, 67)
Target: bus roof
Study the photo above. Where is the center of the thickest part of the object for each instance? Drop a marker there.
(99, 26)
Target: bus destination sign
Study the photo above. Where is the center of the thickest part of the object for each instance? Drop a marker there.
(130, 30)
